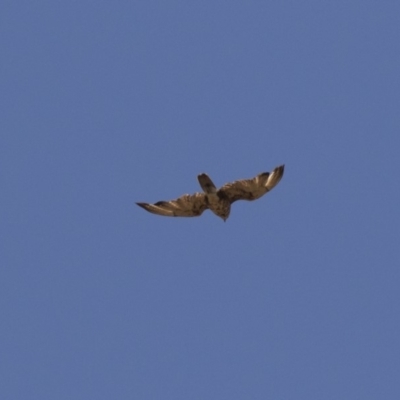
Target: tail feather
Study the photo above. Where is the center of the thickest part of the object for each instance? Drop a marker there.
(207, 184)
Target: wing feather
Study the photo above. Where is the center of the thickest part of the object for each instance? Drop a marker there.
(252, 189)
(184, 206)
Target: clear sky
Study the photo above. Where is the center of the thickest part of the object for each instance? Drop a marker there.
(106, 103)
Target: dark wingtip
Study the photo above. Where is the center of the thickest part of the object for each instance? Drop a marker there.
(143, 205)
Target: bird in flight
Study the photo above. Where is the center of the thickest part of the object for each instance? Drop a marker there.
(217, 200)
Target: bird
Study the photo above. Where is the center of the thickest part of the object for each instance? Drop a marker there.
(217, 200)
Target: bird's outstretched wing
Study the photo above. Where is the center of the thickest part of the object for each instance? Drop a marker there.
(252, 189)
(185, 206)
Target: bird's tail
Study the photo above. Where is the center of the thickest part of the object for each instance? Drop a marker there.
(207, 184)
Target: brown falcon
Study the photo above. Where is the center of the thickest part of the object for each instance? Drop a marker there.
(217, 200)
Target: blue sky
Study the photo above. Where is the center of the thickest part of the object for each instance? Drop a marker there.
(104, 104)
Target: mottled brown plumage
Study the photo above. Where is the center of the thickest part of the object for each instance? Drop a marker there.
(218, 201)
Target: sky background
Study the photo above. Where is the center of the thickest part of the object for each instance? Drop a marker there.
(107, 103)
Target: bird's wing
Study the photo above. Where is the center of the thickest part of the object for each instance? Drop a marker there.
(252, 189)
(185, 206)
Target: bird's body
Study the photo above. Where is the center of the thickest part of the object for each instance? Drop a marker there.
(219, 205)
(218, 201)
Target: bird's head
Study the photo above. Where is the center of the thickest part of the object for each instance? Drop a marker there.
(225, 215)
